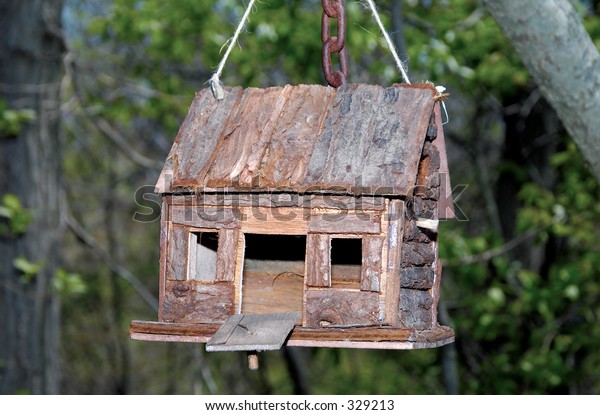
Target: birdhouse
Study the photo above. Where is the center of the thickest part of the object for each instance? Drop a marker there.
(304, 216)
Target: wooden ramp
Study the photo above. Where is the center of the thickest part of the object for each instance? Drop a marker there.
(253, 332)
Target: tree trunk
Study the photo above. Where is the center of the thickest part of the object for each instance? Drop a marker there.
(554, 46)
(31, 49)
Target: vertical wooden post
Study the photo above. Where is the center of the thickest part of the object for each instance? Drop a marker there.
(396, 230)
(253, 360)
(318, 260)
(371, 268)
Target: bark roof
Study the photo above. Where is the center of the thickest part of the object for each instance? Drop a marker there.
(357, 139)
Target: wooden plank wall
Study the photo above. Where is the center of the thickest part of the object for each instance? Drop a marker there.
(402, 285)
(228, 247)
(333, 307)
(198, 302)
(177, 254)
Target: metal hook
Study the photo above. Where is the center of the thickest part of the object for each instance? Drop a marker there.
(440, 90)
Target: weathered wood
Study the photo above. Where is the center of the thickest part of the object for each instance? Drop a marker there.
(176, 329)
(163, 260)
(272, 287)
(197, 302)
(430, 151)
(318, 266)
(274, 269)
(228, 247)
(177, 252)
(239, 268)
(205, 217)
(332, 307)
(248, 133)
(420, 208)
(368, 143)
(253, 360)
(368, 333)
(412, 233)
(432, 128)
(225, 332)
(192, 261)
(445, 200)
(345, 222)
(417, 278)
(370, 140)
(416, 309)
(376, 345)
(253, 332)
(295, 131)
(372, 247)
(279, 221)
(374, 337)
(435, 289)
(371, 334)
(415, 254)
(396, 225)
(428, 178)
(280, 199)
(197, 139)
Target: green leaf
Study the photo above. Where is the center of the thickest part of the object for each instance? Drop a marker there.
(18, 217)
(68, 283)
(12, 202)
(28, 269)
(11, 121)
(5, 212)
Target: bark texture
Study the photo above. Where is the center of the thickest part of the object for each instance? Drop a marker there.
(551, 41)
(31, 49)
(359, 139)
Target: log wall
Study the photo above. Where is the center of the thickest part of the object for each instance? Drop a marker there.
(420, 267)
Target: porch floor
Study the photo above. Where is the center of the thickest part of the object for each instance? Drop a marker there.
(370, 337)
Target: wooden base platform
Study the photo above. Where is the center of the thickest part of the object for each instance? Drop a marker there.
(372, 337)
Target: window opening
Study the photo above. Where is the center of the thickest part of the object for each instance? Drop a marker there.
(202, 264)
(346, 262)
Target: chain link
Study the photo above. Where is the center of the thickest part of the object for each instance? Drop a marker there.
(334, 10)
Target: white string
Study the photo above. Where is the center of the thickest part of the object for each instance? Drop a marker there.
(215, 81)
(389, 41)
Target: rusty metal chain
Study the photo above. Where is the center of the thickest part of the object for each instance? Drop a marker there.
(334, 10)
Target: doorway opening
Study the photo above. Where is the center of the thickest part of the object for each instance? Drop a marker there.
(273, 273)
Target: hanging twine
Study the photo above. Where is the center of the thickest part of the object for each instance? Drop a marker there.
(388, 41)
(215, 81)
(440, 89)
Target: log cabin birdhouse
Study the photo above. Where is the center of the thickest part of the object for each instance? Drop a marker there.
(304, 216)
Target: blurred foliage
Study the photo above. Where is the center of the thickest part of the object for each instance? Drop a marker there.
(14, 218)
(11, 121)
(535, 331)
(525, 317)
(68, 283)
(27, 268)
